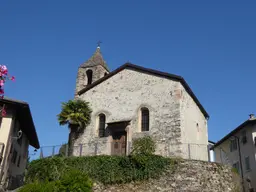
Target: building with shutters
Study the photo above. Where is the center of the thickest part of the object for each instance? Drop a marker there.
(238, 149)
(17, 132)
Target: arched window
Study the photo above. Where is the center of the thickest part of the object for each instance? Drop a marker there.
(144, 119)
(102, 122)
(89, 76)
(105, 74)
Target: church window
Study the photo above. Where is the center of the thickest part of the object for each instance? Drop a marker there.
(102, 122)
(144, 119)
(89, 76)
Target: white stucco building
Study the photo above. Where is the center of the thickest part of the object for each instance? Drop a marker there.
(238, 149)
(211, 151)
(17, 132)
(134, 101)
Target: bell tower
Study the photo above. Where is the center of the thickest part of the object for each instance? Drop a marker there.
(91, 70)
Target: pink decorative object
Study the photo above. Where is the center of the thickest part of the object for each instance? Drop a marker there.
(3, 77)
(3, 111)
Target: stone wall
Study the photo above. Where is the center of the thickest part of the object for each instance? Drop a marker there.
(174, 116)
(194, 126)
(98, 72)
(190, 176)
(121, 98)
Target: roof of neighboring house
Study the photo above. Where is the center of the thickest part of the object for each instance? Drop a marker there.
(211, 142)
(25, 118)
(151, 72)
(240, 127)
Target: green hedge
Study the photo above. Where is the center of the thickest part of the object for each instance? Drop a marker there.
(144, 146)
(39, 187)
(73, 180)
(106, 169)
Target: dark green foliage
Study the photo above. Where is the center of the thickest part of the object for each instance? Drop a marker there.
(46, 169)
(106, 169)
(40, 187)
(234, 170)
(144, 146)
(75, 181)
(72, 181)
(62, 150)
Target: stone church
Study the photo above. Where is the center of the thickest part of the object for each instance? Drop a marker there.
(133, 101)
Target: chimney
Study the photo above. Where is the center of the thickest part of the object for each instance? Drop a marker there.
(251, 116)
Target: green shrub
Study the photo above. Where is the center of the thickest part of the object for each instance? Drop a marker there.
(47, 169)
(150, 166)
(40, 187)
(73, 180)
(62, 150)
(234, 170)
(106, 169)
(144, 146)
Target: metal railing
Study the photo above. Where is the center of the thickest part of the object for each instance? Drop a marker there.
(185, 150)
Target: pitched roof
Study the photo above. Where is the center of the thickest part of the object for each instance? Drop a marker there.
(96, 59)
(152, 72)
(25, 118)
(240, 127)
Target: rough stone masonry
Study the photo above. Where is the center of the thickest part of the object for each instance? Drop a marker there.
(190, 176)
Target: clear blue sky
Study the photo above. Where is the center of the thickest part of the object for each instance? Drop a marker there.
(212, 44)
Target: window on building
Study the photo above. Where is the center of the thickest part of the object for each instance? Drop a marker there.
(236, 166)
(105, 74)
(18, 164)
(102, 122)
(89, 76)
(244, 138)
(144, 119)
(233, 145)
(14, 156)
(247, 163)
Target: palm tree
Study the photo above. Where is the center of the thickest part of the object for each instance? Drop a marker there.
(77, 115)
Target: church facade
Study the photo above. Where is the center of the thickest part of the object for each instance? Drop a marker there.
(132, 102)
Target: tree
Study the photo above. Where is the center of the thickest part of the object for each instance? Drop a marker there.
(77, 115)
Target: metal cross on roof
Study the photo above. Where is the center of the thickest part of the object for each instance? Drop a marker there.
(98, 43)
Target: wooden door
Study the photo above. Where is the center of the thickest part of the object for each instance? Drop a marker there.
(119, 144)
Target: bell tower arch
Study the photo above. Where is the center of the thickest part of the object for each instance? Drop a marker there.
(91, 70)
